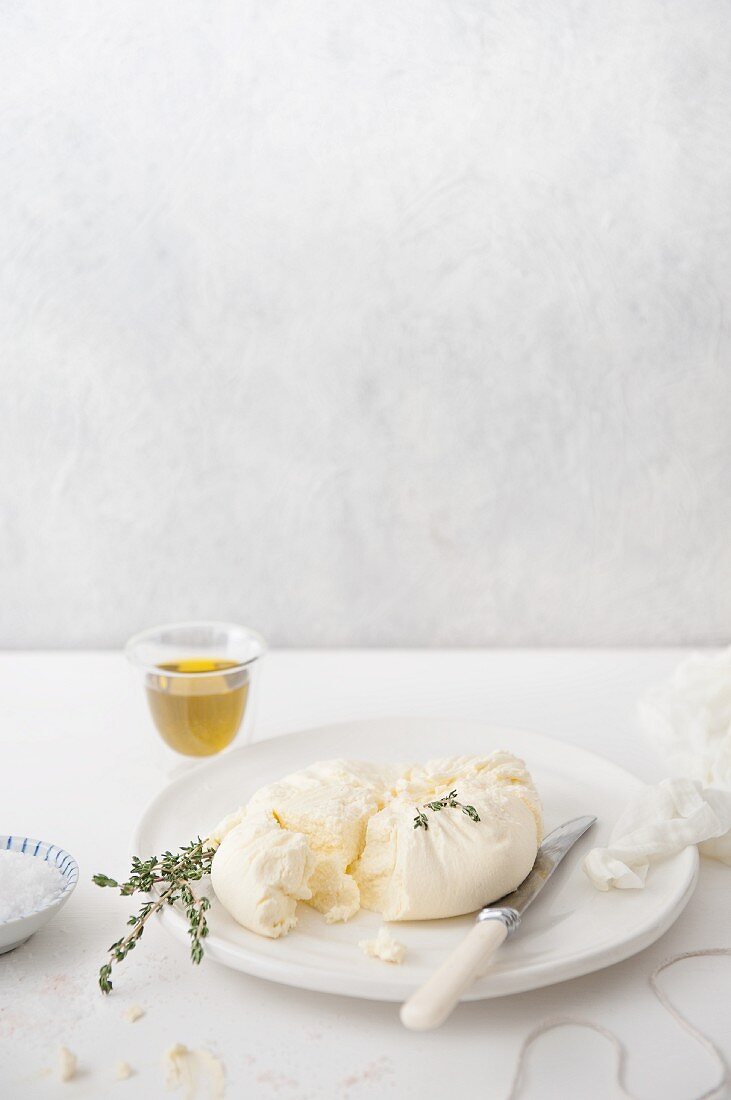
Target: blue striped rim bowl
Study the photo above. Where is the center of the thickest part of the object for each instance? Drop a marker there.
(17, 931)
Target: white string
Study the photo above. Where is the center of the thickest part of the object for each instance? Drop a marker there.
(716, 1092)
(718, 1089)
(569, 1021)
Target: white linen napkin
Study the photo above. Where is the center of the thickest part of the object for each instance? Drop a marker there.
(689, 717)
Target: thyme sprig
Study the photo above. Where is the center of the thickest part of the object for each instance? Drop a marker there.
(421, 820)
(173, 872)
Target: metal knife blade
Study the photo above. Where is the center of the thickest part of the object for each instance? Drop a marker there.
(551, 852)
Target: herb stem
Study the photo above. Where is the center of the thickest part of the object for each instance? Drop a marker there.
(421, 821)
(177, 872)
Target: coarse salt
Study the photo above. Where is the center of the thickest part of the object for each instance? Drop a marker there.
(27, 884)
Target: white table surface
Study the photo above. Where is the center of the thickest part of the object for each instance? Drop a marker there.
(80, 762)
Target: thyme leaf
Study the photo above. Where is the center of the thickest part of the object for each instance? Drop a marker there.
(168, 879)
(421, 822)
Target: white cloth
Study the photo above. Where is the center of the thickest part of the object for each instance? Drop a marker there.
(658, 822)
(689, 718)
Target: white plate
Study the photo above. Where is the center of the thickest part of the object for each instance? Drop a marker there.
(572, 929)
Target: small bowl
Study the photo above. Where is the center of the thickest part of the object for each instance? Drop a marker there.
(17, 931)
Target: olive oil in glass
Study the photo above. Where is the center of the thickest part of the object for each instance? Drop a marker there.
(199, 708)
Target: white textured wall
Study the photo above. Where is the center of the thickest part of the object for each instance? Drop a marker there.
(388, 321)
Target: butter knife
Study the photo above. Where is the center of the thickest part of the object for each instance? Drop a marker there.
(432, 1003)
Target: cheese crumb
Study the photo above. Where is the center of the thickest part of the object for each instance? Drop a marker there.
(177, 1071)
(384, 947)
(185, 1068)
(133, 1013)
(123, 1070)
(66, 1064)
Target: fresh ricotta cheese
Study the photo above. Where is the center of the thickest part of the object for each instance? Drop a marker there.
(340, 835)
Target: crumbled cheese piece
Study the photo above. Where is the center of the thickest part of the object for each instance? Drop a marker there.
(177, 1071)
(184, 1067)
(66, 1064)
(384, 947)
(123, 1070)
(133, 1013)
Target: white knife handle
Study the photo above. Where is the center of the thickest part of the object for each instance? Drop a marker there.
(434, 1000)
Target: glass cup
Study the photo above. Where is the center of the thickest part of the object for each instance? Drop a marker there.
(200, 681)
